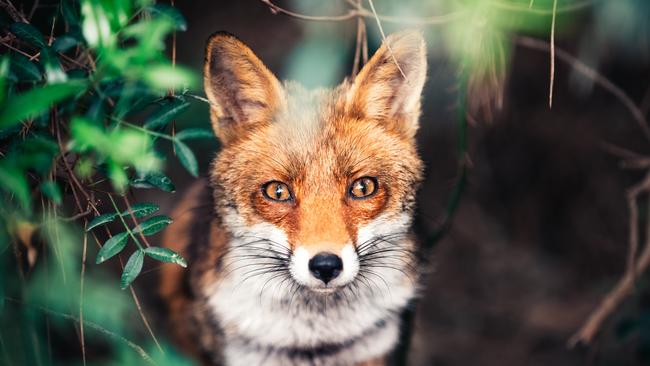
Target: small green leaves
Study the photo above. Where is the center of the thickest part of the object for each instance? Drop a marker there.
(166, 113)
(95, 25)
(153, 225)
(36, 101)
(101, 220)
(166, 255)
(132, 268)
(165, 76)
(113, 246)
(64, 43)
(4, 76)
(52, 191)
(53, 71)
(170, 13)
(187, 158)
(13, 180)
(154, 180)
(195, 133)
(24, 68)
(141, 209)
(135, 149)
(28, 33)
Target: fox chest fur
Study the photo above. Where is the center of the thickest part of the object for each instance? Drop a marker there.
(299, 243)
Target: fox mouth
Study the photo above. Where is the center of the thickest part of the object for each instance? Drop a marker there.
(325, 290)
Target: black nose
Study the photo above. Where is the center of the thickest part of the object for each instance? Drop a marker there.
(325, 266)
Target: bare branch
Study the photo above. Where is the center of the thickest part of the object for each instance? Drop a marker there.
(352, 13)
(552, 78)
(383, 37)
(625, 285)
(589, 72)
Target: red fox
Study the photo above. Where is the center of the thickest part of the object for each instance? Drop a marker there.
(299, 243)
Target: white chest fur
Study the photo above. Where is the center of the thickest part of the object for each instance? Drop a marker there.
(268, 319)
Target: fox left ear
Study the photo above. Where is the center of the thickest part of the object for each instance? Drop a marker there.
(390, 93)
(243, 93)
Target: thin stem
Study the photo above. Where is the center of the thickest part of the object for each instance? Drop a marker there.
(552, 55)
(81, 293)
(128, 230)
(388, 46)
(142, 129)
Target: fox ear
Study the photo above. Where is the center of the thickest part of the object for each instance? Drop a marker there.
(390, 93)
(241, 90)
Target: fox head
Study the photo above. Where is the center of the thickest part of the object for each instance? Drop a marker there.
(316, 188)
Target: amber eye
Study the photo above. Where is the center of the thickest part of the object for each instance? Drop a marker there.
(363, 187)
(276, 191)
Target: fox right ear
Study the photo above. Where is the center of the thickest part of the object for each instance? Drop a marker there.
(241, 90)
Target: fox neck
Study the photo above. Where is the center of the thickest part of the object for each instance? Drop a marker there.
(265, 312)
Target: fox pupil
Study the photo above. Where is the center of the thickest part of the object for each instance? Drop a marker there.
(278, 191)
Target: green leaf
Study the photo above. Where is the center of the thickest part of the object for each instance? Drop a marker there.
(64, 43)
(153, 225)
(154, 180)
(13, 180)
(186, 157)
(166, 113)
(101, 220)
(96, 26)
(165, 255)
(52, 191)
(141, 209)
(24, 68)
(86, 135)
(70, 12)
(4, 75)
(195, 133)
(2, 297)
(118, 176)
(36, 101)
(28, 33)
(132, 268)
(53, 71)
(171, 13)
(113, 246)
(168, 77)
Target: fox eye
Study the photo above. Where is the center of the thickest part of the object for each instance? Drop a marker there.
(363, 187)
(276, 191)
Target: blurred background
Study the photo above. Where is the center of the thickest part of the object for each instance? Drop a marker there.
(540, 232)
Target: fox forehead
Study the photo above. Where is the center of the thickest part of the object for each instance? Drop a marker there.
(313, 140)
(317, 147)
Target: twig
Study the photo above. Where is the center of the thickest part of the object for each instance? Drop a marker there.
(81, 293)
(625, 285)
(139, 350)
(31, 12)
(529, 9)
(361, 36)
(383, 37)
(589, 72)
(145, 321)
(351, 14)
(77, 216)
(14, 14)
(135, 220)
(552, 77)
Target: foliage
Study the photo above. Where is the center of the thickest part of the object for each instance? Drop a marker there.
(85, 111)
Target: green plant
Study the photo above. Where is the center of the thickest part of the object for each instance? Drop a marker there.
(84, 113)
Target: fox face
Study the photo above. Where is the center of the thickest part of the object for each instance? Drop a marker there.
(317, 188)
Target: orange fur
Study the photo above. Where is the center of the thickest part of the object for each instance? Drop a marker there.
(317, 142)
